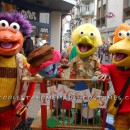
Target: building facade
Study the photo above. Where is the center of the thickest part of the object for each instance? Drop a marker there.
(83, 12)
(110, 14)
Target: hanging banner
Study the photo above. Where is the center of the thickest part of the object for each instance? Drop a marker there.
(74, 96)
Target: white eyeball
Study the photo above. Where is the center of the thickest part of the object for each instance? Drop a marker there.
(128, 34)
(92, 35)
(81, 32)
(122, 34)
(4, 23)
(15, 26)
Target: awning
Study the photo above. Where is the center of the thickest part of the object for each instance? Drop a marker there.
(64, 6)
(54, 5)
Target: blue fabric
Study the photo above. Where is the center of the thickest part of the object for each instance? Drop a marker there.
(81, 85)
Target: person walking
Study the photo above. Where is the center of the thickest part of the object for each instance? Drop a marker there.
(28, 46)
(100, 52)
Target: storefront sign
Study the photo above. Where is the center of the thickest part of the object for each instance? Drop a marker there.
(44, 30)
(30, 14)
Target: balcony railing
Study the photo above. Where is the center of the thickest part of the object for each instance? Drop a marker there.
(77, 17)
(86, 1)
(88, 13)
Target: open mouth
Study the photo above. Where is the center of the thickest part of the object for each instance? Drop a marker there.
(51, 71)
(119, 56)
(84, 47)
(7, 45)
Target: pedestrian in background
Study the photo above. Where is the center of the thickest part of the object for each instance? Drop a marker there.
(106, 51)
(28, 46)
(100, 52)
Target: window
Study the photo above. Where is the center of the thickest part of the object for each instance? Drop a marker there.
(128, 13)
(87, 7)
(104, 10)
(128, 2)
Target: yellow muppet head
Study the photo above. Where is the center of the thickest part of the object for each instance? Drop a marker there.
(87, 39)
(121, 46)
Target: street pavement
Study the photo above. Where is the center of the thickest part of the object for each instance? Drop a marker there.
(34, 105)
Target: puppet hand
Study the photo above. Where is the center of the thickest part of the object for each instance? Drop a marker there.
(94, 78)
(103, 77)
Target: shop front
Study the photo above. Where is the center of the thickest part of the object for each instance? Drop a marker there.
(41, 27)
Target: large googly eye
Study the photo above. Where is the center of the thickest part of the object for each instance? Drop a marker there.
(15, 26)
(81, 32)
(91, 34)
(122, 34)
(128, 34)
(4, 23)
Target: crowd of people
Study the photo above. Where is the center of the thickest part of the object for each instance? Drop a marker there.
(103, 53)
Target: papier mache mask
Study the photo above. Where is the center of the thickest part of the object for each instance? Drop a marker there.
(13, 28)
(87, 39)
(121, 46)
(44, 60)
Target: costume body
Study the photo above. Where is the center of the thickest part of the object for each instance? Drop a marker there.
(85, 65)
(44, 60)
(9, 77)
(10, 87)
(118, 78)
(119, 72)
(12, 66)
(63, 73)
(85, 68)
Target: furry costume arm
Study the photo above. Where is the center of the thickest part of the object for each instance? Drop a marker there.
(105, 71)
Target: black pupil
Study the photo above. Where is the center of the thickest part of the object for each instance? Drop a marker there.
(14, 26)
(3, 24)
(119, 34)
(82, 32)
(91, 34)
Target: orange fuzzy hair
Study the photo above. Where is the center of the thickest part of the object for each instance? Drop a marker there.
(124, 27)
